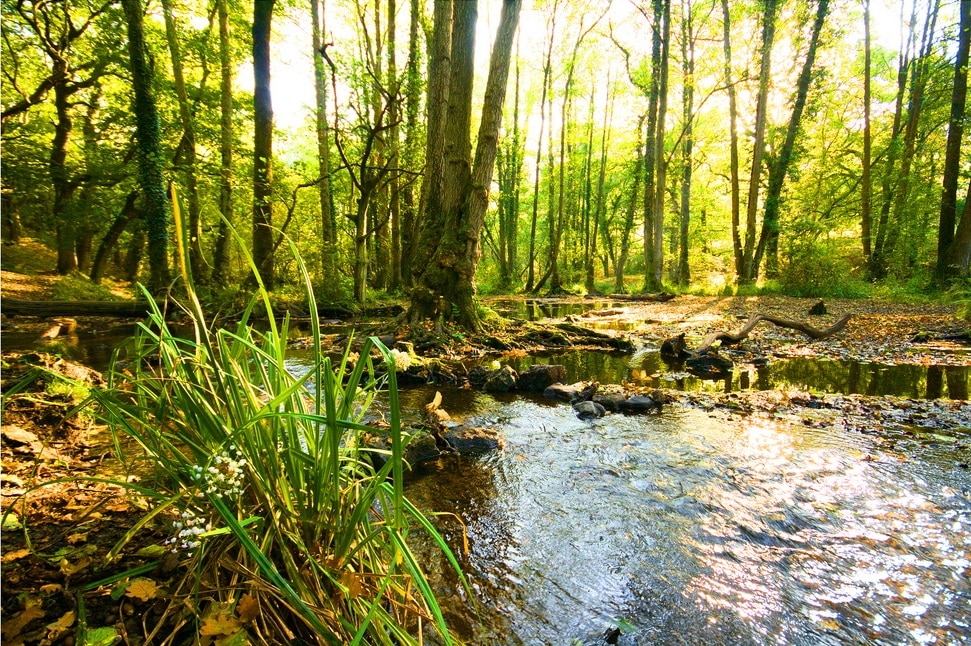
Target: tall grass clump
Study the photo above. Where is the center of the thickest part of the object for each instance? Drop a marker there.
(286, 532)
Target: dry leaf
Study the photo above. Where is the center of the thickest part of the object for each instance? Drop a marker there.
(10, 557)
(74, 539)
(51, 588)
(70, 569)
(61, 627)
(248, 608)
(352, 582)
(12, 627)
(220, 622)
(142, 589)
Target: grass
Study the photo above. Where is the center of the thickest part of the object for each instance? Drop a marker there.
(286, 532)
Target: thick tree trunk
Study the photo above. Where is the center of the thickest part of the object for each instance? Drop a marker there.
(656, 264)
(687, 143)
(650, 157)
(410, 209)
(148, 132)
(866, 201)
(547, 69)
(328, 223)
(64, 217)
(450, 277)
(262, 144)
(108, 242)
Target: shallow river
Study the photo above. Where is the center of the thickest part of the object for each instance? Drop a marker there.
(690, 527)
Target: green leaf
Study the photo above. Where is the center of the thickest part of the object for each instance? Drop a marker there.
(100, 637)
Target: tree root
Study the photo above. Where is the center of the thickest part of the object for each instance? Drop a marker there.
(728, 338)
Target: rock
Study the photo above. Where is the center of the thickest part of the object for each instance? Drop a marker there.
(589, 410)
(674, 349)
(472, 440)
(562, 392)
(420, 448)
(538, 378)
(610, 397)
(588, 392)
(479, 374)
(709, 366)
(818, 309)
(500, 381)
(638, 404)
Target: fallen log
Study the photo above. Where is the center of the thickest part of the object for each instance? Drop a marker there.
(122, 309)
(660, 297)
(728, 338)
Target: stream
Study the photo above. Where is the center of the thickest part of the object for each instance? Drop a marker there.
(689, 527)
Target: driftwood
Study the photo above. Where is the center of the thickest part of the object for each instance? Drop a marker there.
(728, 338)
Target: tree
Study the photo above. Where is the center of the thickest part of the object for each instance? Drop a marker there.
(769, 236)
(955, 135)
(328, 223)
(449, 277)
(150, 163)
(749, 269)
(733, 142)
(220, 260)
(262, 143)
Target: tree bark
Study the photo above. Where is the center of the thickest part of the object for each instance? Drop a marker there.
(108, 242)
(328, 220)
(687, 143)
(733, 142)
(768, 238)
(220, 260)
(955, 134)
(866, 201)
(547, 71)
(262, 144)
(148, 132)
(749, 270)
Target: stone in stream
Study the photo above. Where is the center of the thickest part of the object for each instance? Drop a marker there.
(500, 381)
(638, 404)
(563, 392)
(472, 440)
(538, 378)
(588, 410)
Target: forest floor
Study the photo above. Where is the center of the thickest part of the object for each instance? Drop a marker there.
(59, 523)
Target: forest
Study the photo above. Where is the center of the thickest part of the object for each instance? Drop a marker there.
(438, 150)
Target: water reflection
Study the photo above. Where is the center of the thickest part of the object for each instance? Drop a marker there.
(698, 528)
(645, 368)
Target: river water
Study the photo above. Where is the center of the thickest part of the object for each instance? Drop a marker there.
(694, 527)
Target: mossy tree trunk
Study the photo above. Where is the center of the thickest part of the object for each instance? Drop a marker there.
(262, 143)
(452, 234)
(148, 133)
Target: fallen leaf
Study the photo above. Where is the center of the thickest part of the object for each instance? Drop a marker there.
(10, 557)
(105, 636)
(220, 621)
(74, 539)
(142, 589)
(70, 569)
(11, 522)
(14, 626)
(352, 582)
(248, 608)
(61, 627)
(51, 588)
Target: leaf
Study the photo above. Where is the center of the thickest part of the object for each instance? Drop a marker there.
(248, 608)
(10, 557)
(70, 569)
(61, 627)
(12, 627)
(220, 621)
(11, 522)
(51, 588)
(142, 589)
(352, 582)
(105, 636)
(152, 551)
(74, 539)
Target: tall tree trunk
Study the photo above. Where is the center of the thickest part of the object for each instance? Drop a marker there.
(768, 238)
(656, 263)
(394, 196)
(262, 143)
(194, 228)
(65, 217)
(328, 220)
(733, 142)
(621, 263)
(148, 132)
(687, 143)
(410, 209)
(866, 201)
(961, 248)
(450, 277)
(547, 71)
(220, 259)
(749, 270)
(955, 134)
(128, 213)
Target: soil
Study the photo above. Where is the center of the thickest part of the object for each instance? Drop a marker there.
(60, 521)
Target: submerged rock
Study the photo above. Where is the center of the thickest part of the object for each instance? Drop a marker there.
(472, 440)
(420, 448)
(639, 404)
(538, 378)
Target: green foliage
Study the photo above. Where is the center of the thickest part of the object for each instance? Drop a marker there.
(264, 483)
(818, 271)
(77, 288)
(959, 295)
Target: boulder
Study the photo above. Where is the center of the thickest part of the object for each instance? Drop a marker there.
(500, 381)
(472, 440)
(610, 398)
(588, 410)
(420, 448)
(562, 392)
(538, 378)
